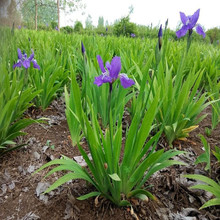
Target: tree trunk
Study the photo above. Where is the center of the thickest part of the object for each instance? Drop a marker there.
(36, 15)
(58, 13)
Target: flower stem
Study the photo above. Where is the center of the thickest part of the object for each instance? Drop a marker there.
(85, 77)
(189, 40)
(19, 97)
(110, 119)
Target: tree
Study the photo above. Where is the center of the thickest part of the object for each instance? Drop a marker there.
(125, 27)
(46, 12)
(88, 22)
(106, 23)
(213, 34)
(9, 13)
(101, 22)
(100, 28)
(70, 5)
(36, 15)
(58, 13)
(78, 27)
(131, 10)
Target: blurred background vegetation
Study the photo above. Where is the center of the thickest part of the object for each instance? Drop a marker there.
(45, 15)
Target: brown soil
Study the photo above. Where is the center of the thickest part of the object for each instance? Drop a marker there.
(20, 190)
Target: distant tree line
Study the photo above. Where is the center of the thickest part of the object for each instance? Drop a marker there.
(45, 15)
(32, 13)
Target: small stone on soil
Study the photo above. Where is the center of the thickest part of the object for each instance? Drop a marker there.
(31, 169)
(36, 155)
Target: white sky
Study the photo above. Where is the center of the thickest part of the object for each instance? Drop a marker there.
(148, 11)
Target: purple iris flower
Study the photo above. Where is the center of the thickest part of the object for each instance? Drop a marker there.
(25, 61)
(83, 48)
(19, 26)
(111, 73)
(56, 28)
(160, 33)
(133, 35)
(189, 22)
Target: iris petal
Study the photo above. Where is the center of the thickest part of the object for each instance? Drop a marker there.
(125, 81)
(200, 31)
(194, 19)
(31, 56)
(108, 66)
(19, 54)
(83, 48)
(98, 80)
(182, 31)
(160, 33)
(115, 67)
(183, 18)
(35, 65)
(106, 79)
(18, 64)
(101, 65)
(26, 63)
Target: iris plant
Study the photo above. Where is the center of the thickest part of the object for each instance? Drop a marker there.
(133, 35)
(25, 61)
(111, 73)
(189, 22)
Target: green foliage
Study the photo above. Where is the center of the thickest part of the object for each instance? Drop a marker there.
(214, 91)
(48, 143)
(49, 80)
(205, 157)
(101, 22)
(47, 11)
(209, 186)
(42, 27)
(182, 103)
(14, 101)
(67, 29)
(213, 34)
(171, 90)
(125, 27)
(88, 23)
(111, 177)
(216, 153)
(78, 27)
(208, 131)
(53, 24)
(9, 13)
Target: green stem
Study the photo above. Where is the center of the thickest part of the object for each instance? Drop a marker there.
(85, 77)
(19, 97)
(189, 40)
(109, 119)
